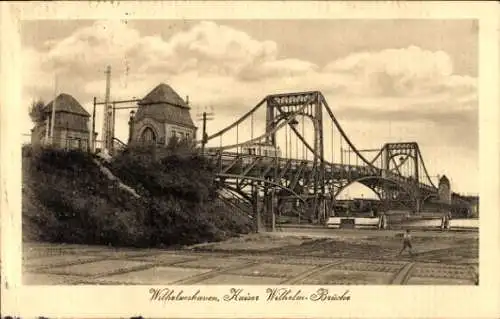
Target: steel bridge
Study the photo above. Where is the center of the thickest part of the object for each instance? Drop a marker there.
(316, 162)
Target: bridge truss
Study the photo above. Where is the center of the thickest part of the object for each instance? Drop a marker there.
(316, 161)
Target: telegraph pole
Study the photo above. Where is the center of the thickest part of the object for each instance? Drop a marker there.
(204, 138)
(92, 137)
(205, 116)
(108, 111)
(53, 115)
(112, 129)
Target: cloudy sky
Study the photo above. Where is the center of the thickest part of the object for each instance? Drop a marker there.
(386, 80)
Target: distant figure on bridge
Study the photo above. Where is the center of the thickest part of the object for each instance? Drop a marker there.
(406, 242)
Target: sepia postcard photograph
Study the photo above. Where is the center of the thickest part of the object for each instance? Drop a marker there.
(240, 160)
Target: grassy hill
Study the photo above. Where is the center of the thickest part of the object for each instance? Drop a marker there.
(67, 198)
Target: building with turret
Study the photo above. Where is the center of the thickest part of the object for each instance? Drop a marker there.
(161, 114)
(71, 124)
(444, 192)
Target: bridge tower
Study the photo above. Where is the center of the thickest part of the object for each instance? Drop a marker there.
(402, 159)
(296, 186)
(280, 107)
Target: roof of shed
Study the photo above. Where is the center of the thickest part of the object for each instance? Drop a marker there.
(66, 103)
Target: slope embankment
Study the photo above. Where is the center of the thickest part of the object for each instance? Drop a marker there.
(70, 197)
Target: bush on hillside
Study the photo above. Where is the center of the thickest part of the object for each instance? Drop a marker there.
(68, 199)
(75, 202)
(185, 176)
(180, 186)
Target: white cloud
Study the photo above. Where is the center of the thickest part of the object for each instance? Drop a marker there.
(278, 69)
(225, 67)
(406, 72)
(222, 46)
(214, 58)
(90, 49)
(228, 69)
(411, 62)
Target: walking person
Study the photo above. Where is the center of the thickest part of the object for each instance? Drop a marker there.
(406, 242)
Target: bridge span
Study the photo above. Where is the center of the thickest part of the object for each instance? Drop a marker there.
(290, 164)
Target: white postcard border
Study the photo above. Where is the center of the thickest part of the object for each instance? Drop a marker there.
(366, 301)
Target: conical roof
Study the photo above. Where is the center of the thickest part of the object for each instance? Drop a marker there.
(66, 103)
(163, 93)
(444, 180)
(163, 104)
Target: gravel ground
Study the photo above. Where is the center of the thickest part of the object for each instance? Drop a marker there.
(427, 247)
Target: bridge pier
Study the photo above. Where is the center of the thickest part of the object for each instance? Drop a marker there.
(322, 210)
(257, 207)
(270, 212)
(418, 205)
(264, 210)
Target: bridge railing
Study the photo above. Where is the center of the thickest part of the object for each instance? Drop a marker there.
(226, 158)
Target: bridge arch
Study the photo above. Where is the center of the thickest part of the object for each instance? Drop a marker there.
(406, 156)
(366, 178)
(284, 117)
(430, 196)
(265, 181)
(356, 190)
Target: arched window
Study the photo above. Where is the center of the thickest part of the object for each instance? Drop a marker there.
(148, 136)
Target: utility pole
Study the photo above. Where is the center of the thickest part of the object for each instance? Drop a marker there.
(112, 129)
(204, 138)
(92, 137)
(53, 115)
(47, 130)
(108, 111)
(205, 117)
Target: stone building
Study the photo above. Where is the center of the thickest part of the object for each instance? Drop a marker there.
(161, 114)
(474, 201)
(71, 124)
(444, 192)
